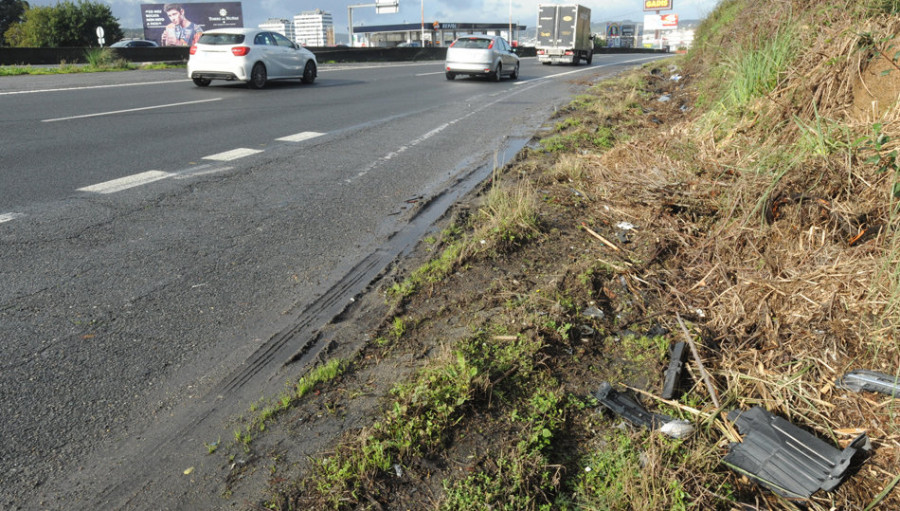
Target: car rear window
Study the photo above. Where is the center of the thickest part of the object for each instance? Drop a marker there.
(221, 39)
(473, 43)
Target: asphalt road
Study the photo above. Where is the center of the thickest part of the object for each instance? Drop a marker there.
(164, 249)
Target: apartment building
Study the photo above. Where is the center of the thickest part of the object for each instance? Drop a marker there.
(281, 25)
(314, 28)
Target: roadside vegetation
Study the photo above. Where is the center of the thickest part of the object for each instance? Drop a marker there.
(97, 60)
(749, 188)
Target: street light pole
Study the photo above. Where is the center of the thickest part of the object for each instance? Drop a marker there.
(423, 24)
(510, 23)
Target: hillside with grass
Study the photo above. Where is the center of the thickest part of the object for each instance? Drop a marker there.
(742, 197)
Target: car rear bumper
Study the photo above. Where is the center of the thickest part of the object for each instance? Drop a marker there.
(214, 75)
(478, 68)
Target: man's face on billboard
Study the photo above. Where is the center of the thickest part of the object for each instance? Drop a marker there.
(175, 16)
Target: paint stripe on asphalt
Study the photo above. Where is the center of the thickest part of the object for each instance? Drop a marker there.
(300, 137)
(234, 154)
(124, 183)
(6, 217)
(130, 110)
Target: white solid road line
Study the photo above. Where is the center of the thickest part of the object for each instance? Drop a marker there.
(6, 217)
(115, 112)
(300, 137)
(234, 154)
(124, 183)
(64, 89)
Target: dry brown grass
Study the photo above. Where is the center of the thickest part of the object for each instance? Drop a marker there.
(786, 307)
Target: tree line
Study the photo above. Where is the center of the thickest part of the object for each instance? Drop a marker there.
(65, 24)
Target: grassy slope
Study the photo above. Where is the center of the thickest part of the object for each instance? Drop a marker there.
(749, 188)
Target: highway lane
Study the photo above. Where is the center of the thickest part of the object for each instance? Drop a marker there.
(123, 305)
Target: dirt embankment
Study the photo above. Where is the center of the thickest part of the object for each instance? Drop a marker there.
(762, 216)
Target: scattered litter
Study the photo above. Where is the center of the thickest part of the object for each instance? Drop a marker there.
(677, 428)
(871, 381)
(188, 471)
(623, 238)
(673, 373)
(625, 226)
(675, 78)
(627, 407)
(784, 458)
(593, 313)
(586, 331)
(664, 98)
(398, 470)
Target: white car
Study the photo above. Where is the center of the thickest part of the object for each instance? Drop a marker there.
(249, 55)
(481, 55)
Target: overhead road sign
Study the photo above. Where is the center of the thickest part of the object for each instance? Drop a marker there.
(387, 6)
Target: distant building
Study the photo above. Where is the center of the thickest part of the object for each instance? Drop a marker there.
(314, 28)
(280, 25)
(429, 34)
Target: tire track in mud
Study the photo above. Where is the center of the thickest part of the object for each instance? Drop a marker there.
(174, 443)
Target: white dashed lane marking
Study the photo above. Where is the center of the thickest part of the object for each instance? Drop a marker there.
(234, 154)
(124, 183)
(300, 137)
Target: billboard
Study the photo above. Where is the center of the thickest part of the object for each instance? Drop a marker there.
(660, 22)
(657, 5)
(177, 24)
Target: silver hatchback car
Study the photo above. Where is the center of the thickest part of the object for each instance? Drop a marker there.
(481, 55)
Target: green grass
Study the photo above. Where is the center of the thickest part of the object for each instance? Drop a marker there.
(274, 407)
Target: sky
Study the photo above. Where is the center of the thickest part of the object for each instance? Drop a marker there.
(410, 11)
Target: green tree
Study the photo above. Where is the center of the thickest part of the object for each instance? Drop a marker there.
(11, 11)
(65, 24)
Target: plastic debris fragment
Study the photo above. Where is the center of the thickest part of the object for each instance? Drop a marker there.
(627, 407)
(673, 373)
(871, 381)
(784, 458)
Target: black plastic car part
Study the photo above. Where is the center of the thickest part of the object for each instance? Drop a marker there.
(673, 373)
(871, 381)
(784, 458)
(627, 407)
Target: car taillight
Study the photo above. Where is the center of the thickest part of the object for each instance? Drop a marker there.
(193, 49)
(569, 53)
(491, 45)
(453, 43)
(540, 52)
(240, 51)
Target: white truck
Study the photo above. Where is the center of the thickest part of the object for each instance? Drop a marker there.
(564, 34)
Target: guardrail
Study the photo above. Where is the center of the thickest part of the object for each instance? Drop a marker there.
(330, 54)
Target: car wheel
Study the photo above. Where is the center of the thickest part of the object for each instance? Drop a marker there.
(309, 72)
(590, 58)
(450, 76)
(201, 82)
(258, 76)
(515, 73)
(499, 73)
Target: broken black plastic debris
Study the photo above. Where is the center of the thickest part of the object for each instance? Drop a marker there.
(673, 373)
(784, 458)
(871, 381)
(626, 406)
